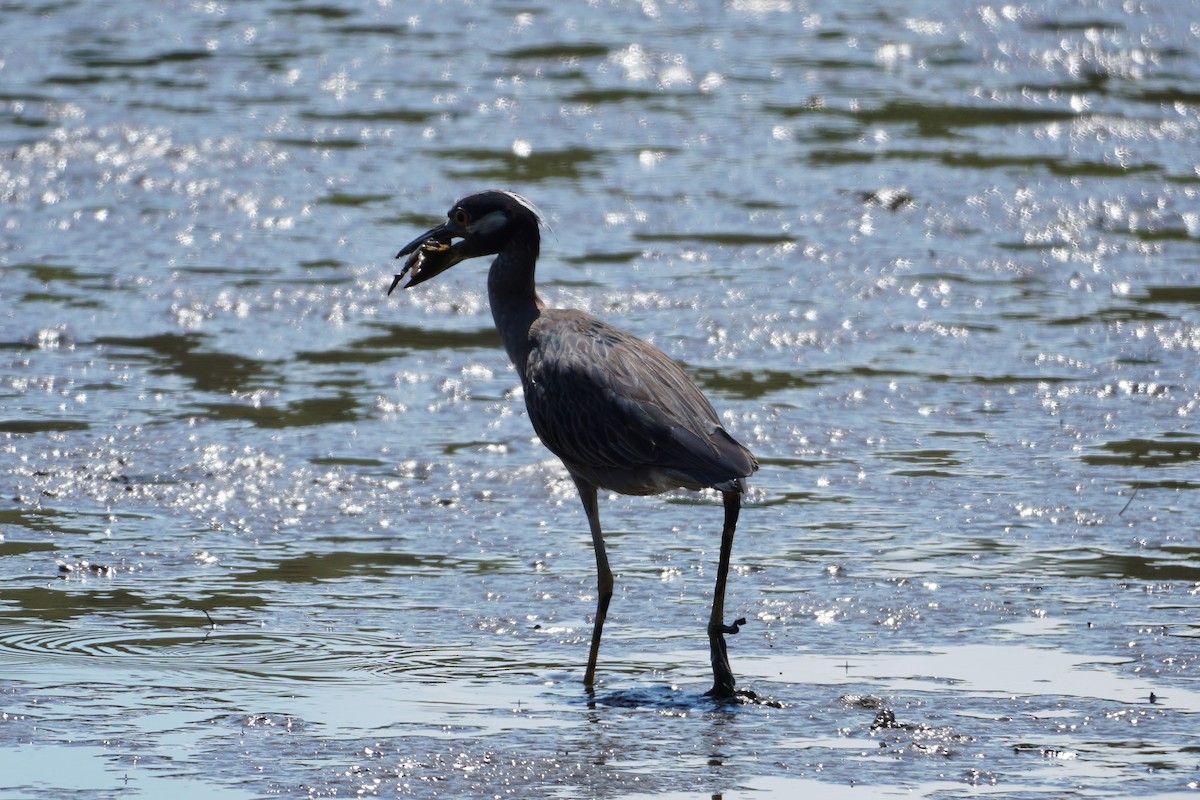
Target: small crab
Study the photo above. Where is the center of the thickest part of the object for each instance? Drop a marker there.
(428, 259)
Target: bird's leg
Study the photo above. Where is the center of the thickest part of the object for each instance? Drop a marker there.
(723, 682)
(604, 576)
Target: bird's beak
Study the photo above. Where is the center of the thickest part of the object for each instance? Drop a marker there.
(431, 254)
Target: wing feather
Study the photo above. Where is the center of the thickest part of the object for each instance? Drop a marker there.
(621, 412)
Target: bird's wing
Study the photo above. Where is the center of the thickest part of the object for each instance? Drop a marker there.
(602, 399)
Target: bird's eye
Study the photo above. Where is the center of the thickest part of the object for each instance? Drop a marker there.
(460, 217)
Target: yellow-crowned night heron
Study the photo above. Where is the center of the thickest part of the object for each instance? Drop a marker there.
(619, 413)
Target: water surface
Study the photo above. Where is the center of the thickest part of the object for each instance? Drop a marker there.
(268, 531)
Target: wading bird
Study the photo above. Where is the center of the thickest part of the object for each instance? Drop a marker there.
(621, 414)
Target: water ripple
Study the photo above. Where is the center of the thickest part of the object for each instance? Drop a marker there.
(225, 657)
(936, 269)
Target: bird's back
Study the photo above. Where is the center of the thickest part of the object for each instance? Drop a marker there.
(622, 414)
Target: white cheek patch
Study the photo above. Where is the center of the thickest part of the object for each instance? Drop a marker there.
(489, 223)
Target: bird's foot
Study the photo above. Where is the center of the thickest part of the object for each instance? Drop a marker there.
(745, 697)
(741, 697)
(723, 687)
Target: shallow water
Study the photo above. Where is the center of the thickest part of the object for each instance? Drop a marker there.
(268, 531)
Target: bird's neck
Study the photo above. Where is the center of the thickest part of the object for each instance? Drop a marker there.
(514, 300)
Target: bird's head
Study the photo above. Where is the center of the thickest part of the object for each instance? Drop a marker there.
(485, 223)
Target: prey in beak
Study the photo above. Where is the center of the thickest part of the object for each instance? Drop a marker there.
(428, 255)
